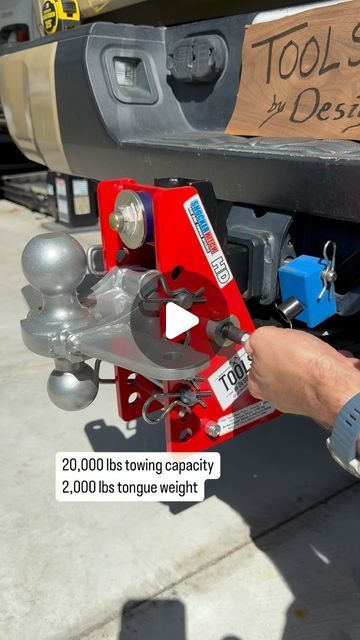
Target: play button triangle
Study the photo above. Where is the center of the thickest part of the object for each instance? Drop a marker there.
(178, 320)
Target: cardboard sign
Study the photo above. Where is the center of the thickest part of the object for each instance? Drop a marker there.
(301, 76)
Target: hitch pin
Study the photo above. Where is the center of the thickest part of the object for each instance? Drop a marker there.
(329, 275)
(231, 332)
(182, 296)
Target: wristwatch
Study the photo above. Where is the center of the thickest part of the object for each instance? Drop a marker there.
(343, 440)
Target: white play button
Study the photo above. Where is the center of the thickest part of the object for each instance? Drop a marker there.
(178, 320)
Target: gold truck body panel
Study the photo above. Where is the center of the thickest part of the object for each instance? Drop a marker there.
(28, 96)
(91, 8)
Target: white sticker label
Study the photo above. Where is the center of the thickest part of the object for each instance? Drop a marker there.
(213, 252)
(82, 205)
(63, 210)
(245, 416)
(230, 380)
(80, 188)
(61, 187)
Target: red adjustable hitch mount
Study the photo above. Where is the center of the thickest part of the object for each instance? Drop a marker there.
(166, 231)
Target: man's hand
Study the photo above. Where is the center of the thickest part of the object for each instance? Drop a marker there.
(298, 373)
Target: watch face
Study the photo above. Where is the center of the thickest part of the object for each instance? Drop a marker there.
(355, 467)
(352, 467)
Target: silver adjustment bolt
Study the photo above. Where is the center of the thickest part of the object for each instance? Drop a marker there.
(130, 218)
(212, 429)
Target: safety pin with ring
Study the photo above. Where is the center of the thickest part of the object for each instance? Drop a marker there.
(183, 297)
(184, 398)
(328, 275)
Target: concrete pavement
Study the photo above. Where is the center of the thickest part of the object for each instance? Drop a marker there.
(272, 553)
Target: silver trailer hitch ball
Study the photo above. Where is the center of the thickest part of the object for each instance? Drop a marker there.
(74, 389)
(54, 263)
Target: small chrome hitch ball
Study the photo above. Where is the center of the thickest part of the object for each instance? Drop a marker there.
(74, 389)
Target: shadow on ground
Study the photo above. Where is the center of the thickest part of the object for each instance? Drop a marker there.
(270, 474)
(160, 619)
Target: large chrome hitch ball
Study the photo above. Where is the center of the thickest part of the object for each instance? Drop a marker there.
(54, 263)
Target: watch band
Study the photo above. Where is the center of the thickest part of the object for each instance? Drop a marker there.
(343, 439)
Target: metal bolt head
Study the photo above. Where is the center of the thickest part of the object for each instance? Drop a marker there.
(184, 300)
(188, 396)
(213, 429)
(116, 221)
(129, 218)
(331, 276)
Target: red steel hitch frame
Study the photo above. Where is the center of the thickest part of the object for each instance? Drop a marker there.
(186, 251)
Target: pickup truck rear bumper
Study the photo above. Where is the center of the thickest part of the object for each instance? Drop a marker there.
(103, 100)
